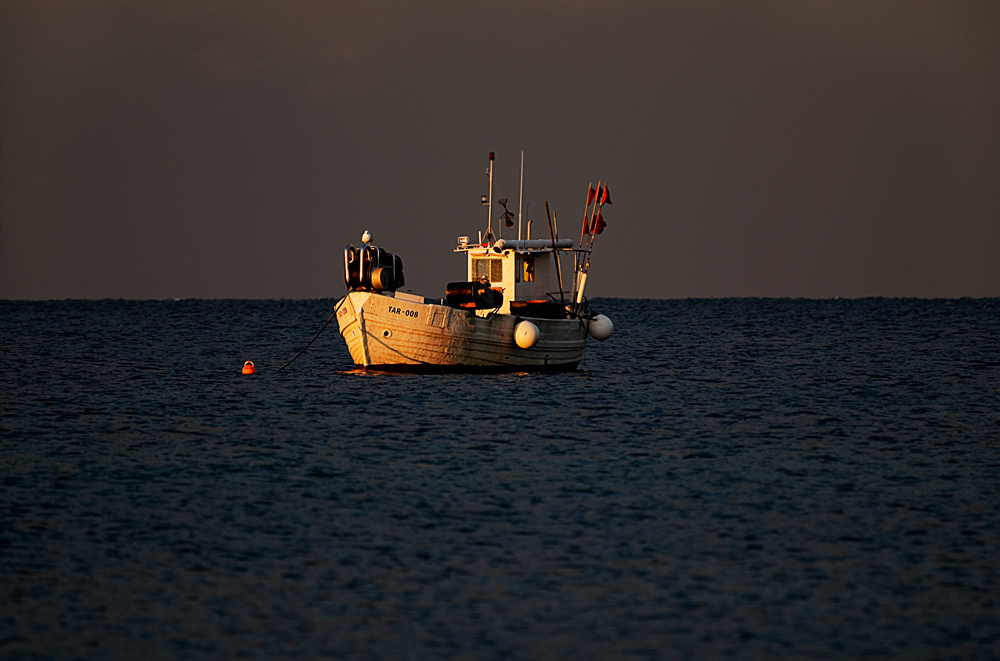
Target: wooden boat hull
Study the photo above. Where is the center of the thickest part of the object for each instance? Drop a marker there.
(394, 334)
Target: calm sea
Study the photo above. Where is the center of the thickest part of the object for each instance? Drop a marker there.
(745, 478)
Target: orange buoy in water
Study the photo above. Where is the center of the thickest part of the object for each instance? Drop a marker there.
(248, 367)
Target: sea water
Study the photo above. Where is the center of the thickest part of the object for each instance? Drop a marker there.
(745, 478)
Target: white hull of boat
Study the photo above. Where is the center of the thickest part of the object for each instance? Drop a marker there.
(395, 334)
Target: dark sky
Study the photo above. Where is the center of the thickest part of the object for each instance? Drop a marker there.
(232, 149)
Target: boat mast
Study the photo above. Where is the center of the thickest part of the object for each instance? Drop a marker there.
(489, 221)
(520, 198)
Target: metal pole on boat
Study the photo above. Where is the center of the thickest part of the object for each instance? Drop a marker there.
(593, 234)
(580, 272)
(576, 277)
(576, 257)
(555, 223)
(520, 198)
(489, 217)
(555, 252)
(555, 247)
(593, 214)
(584, 229)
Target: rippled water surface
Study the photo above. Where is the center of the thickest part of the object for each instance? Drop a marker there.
(742, 478)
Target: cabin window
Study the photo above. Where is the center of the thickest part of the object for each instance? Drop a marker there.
(491, 268)
(529, 269)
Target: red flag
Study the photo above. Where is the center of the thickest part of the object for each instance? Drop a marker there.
(586, 228)
(605, 198)
(599, 223)
(591, 195)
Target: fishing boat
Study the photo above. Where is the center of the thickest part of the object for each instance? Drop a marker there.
(511, 313)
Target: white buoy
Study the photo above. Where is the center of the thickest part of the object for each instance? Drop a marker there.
(600, 328)
(526, 334)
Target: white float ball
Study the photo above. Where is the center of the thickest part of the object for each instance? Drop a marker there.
(526, 334)
(600, 327)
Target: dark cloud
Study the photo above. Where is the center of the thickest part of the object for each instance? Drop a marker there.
(233, 149)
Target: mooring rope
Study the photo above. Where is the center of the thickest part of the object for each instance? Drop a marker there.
(335, 310)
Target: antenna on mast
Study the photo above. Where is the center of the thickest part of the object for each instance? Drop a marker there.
(520, 198)
(489, 204)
